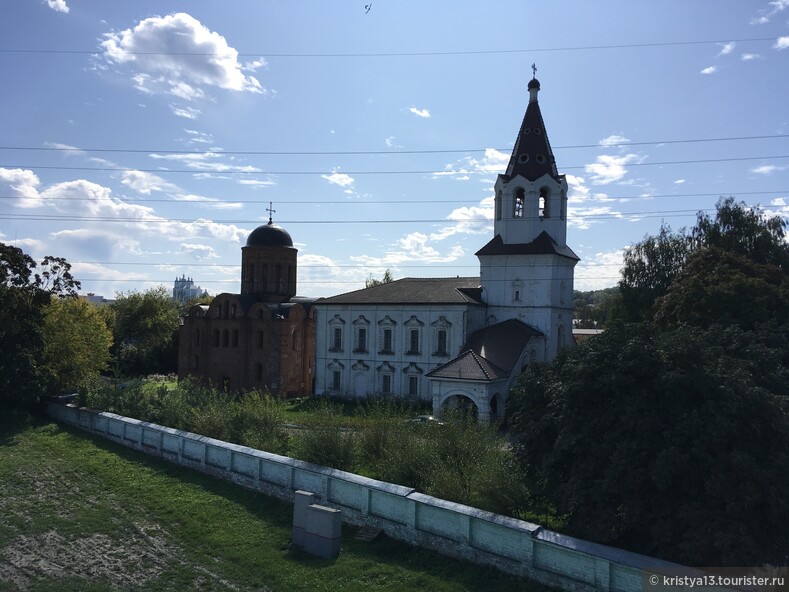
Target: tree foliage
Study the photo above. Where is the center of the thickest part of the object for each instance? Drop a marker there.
(372, 281)
(670, 436)
(77, 342)
(25, 290)
(145, 331)
(662, 443)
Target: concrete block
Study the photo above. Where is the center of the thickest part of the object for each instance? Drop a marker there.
(320, 547)
(324, 522)
(301, 501)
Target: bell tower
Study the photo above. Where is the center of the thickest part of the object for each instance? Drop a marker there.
(526, 271)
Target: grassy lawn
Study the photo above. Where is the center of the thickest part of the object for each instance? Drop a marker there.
(80, 513)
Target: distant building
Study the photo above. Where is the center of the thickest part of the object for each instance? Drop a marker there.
(184, 290)
(96, 299)
(464, 341)
(262, 338)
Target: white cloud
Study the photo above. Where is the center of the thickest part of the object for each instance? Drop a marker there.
(209, 202)
(766, 169)
(679, 181)
(84, 200)
(22, 184)
(144, 182)
(411, 247)
(254, 65)
(199, 252)
(599, 271)
(765, 14)
(185, 112)
(608, 169)
(257, 182)
(58, 5)
(709, 70)
(781, 42)
(424, 113)
(614, 140)
(97, 243)
(492, 162)
(179, 56)
(206, 161)
(199, 137)
(340, 179)
(727, 48)
(468, 220)
(747, 57)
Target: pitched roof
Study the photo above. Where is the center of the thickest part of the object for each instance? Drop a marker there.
(532, 156)
(468, 366)
(460, 290)
(490, 353)
(542, 245)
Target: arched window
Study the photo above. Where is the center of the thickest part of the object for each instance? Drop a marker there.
(518, 204)
(261, 337)
(498, 205)
(225, 338)
(258, 371)
(226, 309)
(278, 279)
(216, 337)
(544, 203)
(235, 337)
(197, 337)
(233, 311)
(517, 296)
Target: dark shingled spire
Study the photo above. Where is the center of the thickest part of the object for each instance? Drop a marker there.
(532, 156)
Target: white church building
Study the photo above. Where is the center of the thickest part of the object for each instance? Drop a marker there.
(465, 340)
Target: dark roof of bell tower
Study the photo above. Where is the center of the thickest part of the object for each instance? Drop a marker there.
(532, 156)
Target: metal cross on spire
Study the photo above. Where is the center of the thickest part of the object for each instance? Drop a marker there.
(534, 70)
(270, 209)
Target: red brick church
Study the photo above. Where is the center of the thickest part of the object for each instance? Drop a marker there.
(262, 338)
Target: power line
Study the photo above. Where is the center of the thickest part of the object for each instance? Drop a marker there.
(377, 152)
(357, 173)
(159, 220)
(320, 282)
(398, 54)
(380, 202)
(307, 265)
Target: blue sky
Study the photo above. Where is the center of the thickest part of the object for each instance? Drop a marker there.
(200, 113)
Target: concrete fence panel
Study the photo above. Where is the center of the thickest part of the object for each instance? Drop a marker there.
(453, 529)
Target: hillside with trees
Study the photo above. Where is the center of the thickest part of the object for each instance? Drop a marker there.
(669, 433)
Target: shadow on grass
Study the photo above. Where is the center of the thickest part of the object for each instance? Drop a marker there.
(13, 423)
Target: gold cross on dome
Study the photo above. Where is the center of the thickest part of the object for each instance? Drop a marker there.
(270, 211)
(534, 70)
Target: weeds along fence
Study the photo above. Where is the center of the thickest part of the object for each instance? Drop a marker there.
(455, 530)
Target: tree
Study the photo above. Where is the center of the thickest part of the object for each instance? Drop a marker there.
(146, 330)
(76, 341)
(670, 436)
(661, 443)
(371, 281)
(744, 231)
(649, 268)
(651, 265)
(24, 295)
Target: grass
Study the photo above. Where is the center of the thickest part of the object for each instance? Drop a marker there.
(350, 413)
(80, 513)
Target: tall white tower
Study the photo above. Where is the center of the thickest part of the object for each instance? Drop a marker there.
(527, 269)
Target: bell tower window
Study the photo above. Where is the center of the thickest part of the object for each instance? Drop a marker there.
(518, 204)
(544, 204)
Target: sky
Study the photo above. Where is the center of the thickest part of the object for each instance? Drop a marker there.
(145, 140)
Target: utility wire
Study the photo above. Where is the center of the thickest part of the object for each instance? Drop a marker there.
(412, 172)
(377, 152)
(397, 54)
(379, 202)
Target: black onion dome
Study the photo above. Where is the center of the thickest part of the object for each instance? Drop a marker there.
(534, 83)
(269, 235)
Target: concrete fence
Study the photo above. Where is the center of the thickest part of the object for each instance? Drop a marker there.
(455, 530)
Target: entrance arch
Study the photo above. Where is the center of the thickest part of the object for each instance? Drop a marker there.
(460, 404)
(359, 385)
(496, 407)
